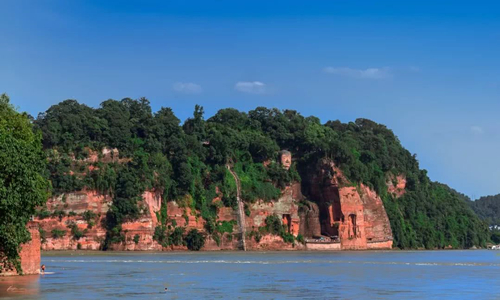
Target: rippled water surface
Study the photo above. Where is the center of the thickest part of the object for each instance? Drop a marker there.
(259, 275)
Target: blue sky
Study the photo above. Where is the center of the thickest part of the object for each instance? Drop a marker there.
(429, 71)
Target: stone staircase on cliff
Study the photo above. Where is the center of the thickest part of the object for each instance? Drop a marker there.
(240, 211)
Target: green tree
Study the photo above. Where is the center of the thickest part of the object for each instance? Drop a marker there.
(195, 240)
(23, 184)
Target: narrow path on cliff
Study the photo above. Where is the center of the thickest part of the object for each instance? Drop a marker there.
(241, 210)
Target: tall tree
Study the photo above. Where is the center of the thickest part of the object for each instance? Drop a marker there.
(23, 185)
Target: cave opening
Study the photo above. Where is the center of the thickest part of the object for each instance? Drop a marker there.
(330, 212)
(352, 226)
(318, 187)
(287, 221)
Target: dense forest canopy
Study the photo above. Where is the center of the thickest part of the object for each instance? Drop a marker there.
(23, 180)
(488, 208)
(187, 163)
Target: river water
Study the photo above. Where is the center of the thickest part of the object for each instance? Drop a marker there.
(262, 275)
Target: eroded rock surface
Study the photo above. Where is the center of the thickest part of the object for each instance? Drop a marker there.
(335, 211)
(353, 216)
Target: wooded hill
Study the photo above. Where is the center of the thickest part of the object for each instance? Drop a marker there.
(186, 162)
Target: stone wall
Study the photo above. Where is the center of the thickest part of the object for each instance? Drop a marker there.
(30, 254)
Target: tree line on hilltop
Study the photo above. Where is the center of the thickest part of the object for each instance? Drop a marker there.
(186, 162)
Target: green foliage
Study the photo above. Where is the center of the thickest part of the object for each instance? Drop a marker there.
(188, 163)
(166, 238)
(300, 239)
(43, 235)
(58, 213)
(495, 236)
(136, 239)
(43, 213)
(89, 217)
(433, 216)
(248, 212)
(288, 237)
(488, 209)
(177, 236)
(255, 182)
(23, 182)
(160, 235)
(225, 226)
(57, 233)
(257, 235)
(273, 225)
(195, 240)
(75, 231)
(113, 235)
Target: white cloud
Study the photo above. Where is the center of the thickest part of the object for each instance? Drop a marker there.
(187, 88)
(371, 73)
(477, 130)
(251, 87)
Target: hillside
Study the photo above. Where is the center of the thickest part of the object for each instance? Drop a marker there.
(298, 179)
(488, 209)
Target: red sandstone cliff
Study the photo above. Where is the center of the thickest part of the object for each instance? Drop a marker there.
(74, 204)
(353, 216)
(349, 217)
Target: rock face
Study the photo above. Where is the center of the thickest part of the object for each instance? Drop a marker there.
(309, 220)
(29, 255)
(396, 185)
(286, 207)
(345, 216)
(353, 216)
(286, 159)
(75, 204)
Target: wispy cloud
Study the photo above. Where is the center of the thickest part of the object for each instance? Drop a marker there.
(251, 87)
(187, 88)
(477, 130)
(371, 73)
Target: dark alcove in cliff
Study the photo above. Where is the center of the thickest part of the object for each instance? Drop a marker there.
(287, 221)
(330, 212)
(319, 187)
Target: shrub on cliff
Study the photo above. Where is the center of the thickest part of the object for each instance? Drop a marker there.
(57, 233)
(177, 236)
(160, 235)
(273, 225)
(43, 235)
(43, 213)
(89, 217)
(76, 232)
(137, 239)
(195, 240)
(276, 227)
(23, 182)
